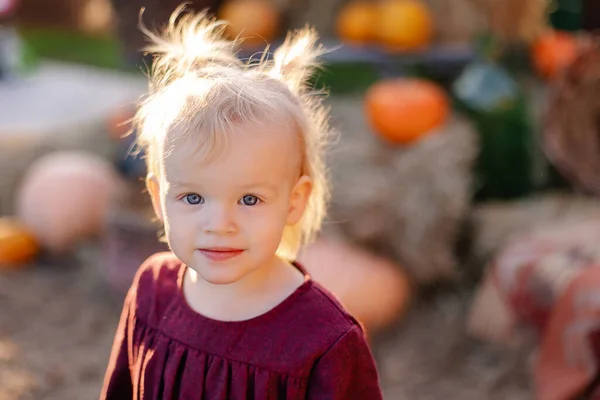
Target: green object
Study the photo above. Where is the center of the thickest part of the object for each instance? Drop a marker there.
(100, 51)
(566, 14)
(29, 58)
(346, 78)
(496, 105)
(16, 57)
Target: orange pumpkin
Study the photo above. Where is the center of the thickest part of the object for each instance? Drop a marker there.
(17, 245)
(373, 289)
(256, 21)
(404, 25)
(552, 52)
(356, 22)
(402, 110)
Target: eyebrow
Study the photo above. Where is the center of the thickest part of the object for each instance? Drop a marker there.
(180, 184)
(261, 185)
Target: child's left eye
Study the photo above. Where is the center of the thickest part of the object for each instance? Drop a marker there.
(250, 200)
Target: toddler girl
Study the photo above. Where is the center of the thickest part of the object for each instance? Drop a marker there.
(235, 173)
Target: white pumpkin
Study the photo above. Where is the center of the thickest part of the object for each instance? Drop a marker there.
(64, 197)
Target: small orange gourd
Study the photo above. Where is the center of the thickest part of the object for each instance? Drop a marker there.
(404, 25)
(257, 22)
(356, 21)
(552, 52)
(17, 244)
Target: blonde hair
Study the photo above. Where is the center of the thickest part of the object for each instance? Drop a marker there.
(199, 89)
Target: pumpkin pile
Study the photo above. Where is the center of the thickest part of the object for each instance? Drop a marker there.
(403, 110)
(397, 25)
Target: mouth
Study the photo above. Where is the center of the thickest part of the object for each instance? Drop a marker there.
(220, 253)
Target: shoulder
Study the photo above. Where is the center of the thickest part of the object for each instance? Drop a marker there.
(307, 325)
(344, 368)
(321, 319)
(156, 284)
(327, 306)
(156, 270)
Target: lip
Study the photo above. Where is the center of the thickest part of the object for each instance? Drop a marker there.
(220, 253)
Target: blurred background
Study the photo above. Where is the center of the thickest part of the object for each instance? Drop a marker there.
(463, 229)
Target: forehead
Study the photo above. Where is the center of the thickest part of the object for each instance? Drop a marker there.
(257, 153)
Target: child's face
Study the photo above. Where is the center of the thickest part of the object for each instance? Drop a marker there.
(225, 218)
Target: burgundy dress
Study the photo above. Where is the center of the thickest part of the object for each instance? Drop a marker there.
(307, 347)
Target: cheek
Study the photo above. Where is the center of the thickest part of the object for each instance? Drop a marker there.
(177, 226)
(265, 226)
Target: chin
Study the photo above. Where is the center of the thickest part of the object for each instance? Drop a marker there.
(219, 277)
(219, 280)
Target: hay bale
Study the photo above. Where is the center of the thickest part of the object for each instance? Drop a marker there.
(320, 14)
(406, 202)
(516, 20)
(457, 21)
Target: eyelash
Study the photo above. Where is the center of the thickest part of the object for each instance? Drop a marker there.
(258, 200)
(184, 198)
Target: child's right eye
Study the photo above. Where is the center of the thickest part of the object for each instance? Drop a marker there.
(193, 199)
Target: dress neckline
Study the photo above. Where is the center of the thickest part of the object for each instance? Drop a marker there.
(268, 315)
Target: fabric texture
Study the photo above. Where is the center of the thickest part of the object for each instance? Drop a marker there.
(307, 347)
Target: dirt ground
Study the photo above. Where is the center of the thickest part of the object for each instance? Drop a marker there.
(57, 323)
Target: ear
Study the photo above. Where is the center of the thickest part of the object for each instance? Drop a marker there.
(153, 187)
(299, 199)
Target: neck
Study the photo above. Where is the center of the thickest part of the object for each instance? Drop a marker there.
(246, 298)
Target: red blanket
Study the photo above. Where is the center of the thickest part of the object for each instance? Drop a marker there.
(550, 280)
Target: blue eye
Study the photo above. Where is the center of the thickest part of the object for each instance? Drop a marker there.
(193, 199)
(250, 200)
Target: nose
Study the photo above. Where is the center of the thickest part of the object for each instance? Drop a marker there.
(220, 220)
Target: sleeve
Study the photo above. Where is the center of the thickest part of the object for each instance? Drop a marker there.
(117, 380)
(346, 372)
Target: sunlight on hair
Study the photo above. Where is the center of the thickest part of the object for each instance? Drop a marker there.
(199, 90)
